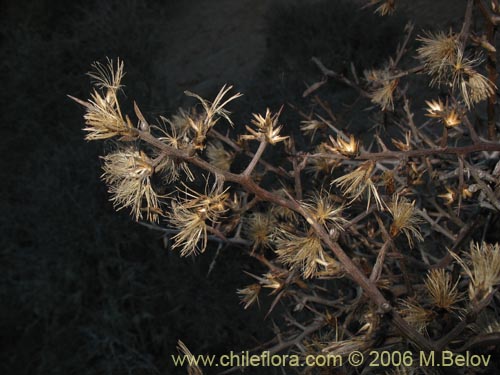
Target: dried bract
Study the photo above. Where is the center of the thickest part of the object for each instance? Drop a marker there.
(348, 148)
(267, 128)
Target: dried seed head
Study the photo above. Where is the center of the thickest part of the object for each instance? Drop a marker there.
(258, 228)
(103, 117)
(438, 52)
(127, 173)
(350, 148)
(478, 88)
(322, 209)
(446, 113)
(403, 146)
(266, 128)
(355, 183)
(483, 268)
(168, 166)
(405, 219)
(384, 95)
(249, 295)
(416, 315)
(444, 294)
(473, 86)
(179, 122)
(303, 252)
(450, 196)
(435, 108)
(281, 212)
(192, 215)
(201, 124)
(107, 77)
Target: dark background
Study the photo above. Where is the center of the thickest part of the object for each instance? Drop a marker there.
(83, 289)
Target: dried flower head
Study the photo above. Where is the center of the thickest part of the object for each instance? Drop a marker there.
(446, 113)
(348, 148)
(249, 295)
(213, 111)
(473, 86)
(405, 219)
(355, 183)
(438, 52)
(383, 86)
(180, 123)
(321, 208)
(127, 173)
(449, 197)
(266, 128)
(103, 117)
(259, 227)
(107, 77)
(218, 156)
(443, 292)
(303, 252)
(483, 268)
(384, 95)
(416, 315)
(192, 215)
(435, 108)
(403, 146)
(167, 165)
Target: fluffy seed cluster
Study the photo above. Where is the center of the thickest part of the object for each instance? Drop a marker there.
(482, 265)
(445, 61)
(259, 228)
(443, 292)
(359, 181)
(212, 113)
(128, 175)
(305, 253)
(192, 215)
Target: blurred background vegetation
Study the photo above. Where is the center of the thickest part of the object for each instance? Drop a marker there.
(83, 289)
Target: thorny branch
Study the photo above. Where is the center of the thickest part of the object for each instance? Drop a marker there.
(358, 217)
